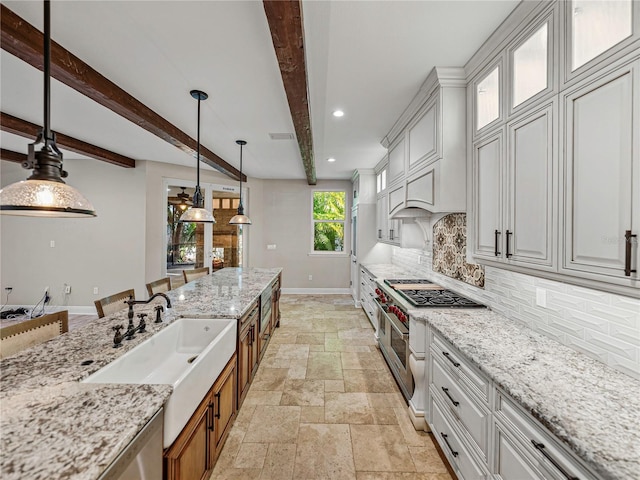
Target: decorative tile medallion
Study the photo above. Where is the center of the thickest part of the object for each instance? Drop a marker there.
(450, 250)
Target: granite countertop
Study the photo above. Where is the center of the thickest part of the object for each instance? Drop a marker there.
(53, 427)
(593, 409)
(387, 270)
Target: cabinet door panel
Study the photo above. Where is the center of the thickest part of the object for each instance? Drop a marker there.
(600, 166)
(396, 199)
(531, 155)
(511, 462)
(487, 175)
(396, 162)
(420, 189)
(244, 364)
(423, 137)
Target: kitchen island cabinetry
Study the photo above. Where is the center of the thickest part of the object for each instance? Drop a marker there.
(195, 450)
(248, 350)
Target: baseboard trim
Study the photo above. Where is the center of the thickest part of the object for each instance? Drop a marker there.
(317, 291)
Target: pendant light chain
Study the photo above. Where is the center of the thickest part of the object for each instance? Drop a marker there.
(198, 150)
(241, 173)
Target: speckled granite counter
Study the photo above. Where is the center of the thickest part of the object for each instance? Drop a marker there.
(53, 427)
(590, 407)
(387, 270)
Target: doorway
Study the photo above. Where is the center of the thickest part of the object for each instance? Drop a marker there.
(227, 239)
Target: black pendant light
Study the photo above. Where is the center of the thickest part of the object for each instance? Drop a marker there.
(240, 218)
(197, 213)
(44, 193)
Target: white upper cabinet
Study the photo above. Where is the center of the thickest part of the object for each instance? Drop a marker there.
(488, 98)
(596, 26)
(602, 183)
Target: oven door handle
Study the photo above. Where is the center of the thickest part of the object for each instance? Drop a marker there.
(400, 328)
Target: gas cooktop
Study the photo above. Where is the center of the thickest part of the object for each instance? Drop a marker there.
(425, 293)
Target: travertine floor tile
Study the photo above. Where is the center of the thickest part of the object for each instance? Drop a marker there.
(303, 393)
(365, 381)
(325, 406)
(426, 459)
(273, 424)
(312, 415)
(380, 448)
(270, 379)
(251, 455)
(279, 462)
(354, 408)
(324, 366)
(362, 361)
(324, 452)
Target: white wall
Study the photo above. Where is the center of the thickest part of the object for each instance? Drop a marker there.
(105, 252)
(124, 246)
(285, 214)
(604, 326)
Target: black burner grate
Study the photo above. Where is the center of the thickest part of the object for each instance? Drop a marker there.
(432, 298)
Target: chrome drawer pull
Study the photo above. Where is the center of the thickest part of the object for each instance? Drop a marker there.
(444, 437)
(540, 446)
(455, 364)
(446, 392)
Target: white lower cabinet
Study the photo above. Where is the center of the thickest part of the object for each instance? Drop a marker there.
(483, 432)
(463, 462)
(367, 296)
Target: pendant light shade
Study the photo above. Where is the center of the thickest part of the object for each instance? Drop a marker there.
(44, 193)
(240, 218)
(197, 213)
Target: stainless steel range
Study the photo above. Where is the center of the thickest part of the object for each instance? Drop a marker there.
(395, 297)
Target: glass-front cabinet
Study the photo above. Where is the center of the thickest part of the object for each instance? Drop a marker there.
(488, 99)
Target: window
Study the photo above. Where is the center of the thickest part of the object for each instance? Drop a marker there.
(598, 26)
(488, 99)
(530, 67)
(328, 221)
(381, 181)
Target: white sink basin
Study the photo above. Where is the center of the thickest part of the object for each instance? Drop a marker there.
(189, 355)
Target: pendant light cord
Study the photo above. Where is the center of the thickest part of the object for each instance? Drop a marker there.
(241, 174)
(198, 151)
(47, 74)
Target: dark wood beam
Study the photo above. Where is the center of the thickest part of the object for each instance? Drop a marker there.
(285, 23)
(17, 126)
(12, 156)
(23, 40)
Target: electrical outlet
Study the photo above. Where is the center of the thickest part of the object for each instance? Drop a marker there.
(271, 246)
(541, 297)
(52, 243)
(67, 289)
(95, 290)
(46, 289)
(419, 259)
(8, 289)
(310, 277)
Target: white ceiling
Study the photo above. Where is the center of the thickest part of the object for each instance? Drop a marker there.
(366, 57)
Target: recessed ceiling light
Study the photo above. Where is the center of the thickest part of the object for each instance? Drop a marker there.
(338, 113)
(331, 159)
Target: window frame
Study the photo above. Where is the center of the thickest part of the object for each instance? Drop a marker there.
(312, 250)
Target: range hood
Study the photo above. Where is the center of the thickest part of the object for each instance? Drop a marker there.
(411, 212)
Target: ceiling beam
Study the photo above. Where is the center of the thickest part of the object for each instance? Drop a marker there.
(12, 156)
(285, 23)
(20, 38)
(17, 126)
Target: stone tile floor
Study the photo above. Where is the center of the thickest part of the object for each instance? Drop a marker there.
(324, 405)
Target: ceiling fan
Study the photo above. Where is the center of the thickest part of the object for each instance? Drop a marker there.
(181, 200)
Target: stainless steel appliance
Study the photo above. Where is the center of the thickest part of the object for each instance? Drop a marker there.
(395, 298)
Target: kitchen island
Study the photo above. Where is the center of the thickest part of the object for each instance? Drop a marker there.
(53, 427)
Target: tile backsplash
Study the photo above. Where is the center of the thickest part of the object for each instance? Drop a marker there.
(604, 326)
(450, 250)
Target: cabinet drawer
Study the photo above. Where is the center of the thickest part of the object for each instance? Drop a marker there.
(459, 456)
(473, 417)
(550, 456)
(459, 367)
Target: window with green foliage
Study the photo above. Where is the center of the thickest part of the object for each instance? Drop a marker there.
(328, 221)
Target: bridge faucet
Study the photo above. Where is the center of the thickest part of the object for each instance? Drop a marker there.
(131, 328)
